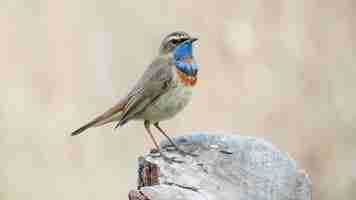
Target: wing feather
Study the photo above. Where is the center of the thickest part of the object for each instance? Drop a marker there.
(153, 84)
(150, 86)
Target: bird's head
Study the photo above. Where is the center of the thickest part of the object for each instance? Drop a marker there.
(179, 43)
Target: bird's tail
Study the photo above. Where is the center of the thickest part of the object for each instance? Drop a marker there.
(83, 128)
(111, 115)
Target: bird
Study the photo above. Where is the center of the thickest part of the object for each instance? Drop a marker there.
(164, 89)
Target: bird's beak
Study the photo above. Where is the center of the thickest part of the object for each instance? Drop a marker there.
(193, 39)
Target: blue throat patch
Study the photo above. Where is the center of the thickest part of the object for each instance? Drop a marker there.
(184, 61)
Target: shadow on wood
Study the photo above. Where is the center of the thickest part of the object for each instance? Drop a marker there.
(228, 167)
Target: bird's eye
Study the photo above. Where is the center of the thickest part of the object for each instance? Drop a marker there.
(175, 41)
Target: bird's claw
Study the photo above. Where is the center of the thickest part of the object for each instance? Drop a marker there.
(157, 153)
(185, 153)
(169, 147)
(171, 159)
(172, 147)
(153, 151)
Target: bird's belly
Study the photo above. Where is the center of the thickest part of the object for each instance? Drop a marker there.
(169, 104)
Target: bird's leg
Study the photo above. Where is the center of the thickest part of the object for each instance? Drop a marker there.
(172, 142)
(166, 158)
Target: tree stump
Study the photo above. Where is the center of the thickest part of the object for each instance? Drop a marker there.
(229, 167)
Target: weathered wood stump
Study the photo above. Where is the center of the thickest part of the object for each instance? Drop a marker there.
(227, 168)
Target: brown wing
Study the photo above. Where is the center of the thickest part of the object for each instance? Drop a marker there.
(152, 84)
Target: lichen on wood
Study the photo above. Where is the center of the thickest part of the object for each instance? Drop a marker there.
(229, 167)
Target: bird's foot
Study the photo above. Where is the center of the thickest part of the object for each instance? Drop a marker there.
(172, 147)
(158, 153)
(170, 159)
(185, 153)
(153, 151)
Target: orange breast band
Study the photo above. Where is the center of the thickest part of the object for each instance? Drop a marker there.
(187, 80)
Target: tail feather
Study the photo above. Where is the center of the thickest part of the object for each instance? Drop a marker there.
(109, 116)
(83, 128)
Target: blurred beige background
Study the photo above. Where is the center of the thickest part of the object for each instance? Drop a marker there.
(281, 70)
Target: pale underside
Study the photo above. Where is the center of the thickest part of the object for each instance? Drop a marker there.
(169, 104)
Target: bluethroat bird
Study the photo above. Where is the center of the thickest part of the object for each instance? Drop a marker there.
(164, 90)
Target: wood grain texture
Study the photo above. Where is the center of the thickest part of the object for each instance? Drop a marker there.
(229, 167)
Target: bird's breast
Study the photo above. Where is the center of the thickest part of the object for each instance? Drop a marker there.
(185, 79)
(187, 71)
(172, 102)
